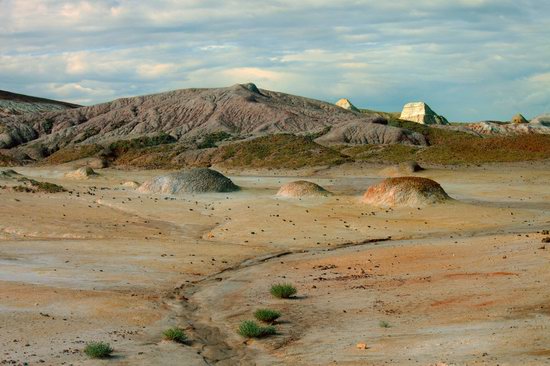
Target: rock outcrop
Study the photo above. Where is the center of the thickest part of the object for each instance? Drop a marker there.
(405, 191)
(518, 118)
(420, 112)
(506, 129)
(302, 188)
(346, 104)
(198, 180)
(542, 120)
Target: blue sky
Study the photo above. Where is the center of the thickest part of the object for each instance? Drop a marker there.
(468, 59)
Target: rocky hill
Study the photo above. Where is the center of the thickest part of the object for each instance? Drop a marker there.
(241, 110)
(12, 104)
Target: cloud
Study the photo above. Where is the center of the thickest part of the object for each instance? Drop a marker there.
(469, 59)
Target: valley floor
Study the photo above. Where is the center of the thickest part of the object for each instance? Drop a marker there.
(463, 283)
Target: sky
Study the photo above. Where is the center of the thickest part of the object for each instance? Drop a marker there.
(469, 60)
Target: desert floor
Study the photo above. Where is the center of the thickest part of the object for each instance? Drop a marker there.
(461, 283)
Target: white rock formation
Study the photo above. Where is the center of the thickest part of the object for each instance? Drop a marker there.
(346, 104)
(420, 112)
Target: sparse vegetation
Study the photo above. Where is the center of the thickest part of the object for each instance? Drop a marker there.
(33, 186)
(98, 350)
(267, 315)
(121, 146)
(72, 153)
(7, 160)
(175, 334)
(250, 329)
(211, 139)
(288, 151)
(283, 290)
(279, 151)
(384, 324)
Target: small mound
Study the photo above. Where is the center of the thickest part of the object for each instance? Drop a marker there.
(9, 174)
(398, 170)
(405, 191)
(410, 167)
(98, 163)
(199, 180)
(130, 184)
(302, 188)
(81, 173)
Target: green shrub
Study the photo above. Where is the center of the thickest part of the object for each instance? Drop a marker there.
(267, 315)
(384, 324)
(98, 350)
(250, 329)
(175, 334)
(211, 139)
(283, 290)
(121, 146)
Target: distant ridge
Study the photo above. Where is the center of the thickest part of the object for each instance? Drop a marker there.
(241, 111)
(12, 104)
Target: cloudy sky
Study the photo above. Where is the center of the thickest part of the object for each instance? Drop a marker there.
(469, 59)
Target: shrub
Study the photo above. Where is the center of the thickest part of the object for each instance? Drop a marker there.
(175, 334)
(32, 185)
(283, 290)
(98, 350)
(211, 139)
(267, 315)
(250, 329)
(384, 324)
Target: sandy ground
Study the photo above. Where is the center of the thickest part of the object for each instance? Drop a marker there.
(461, 283)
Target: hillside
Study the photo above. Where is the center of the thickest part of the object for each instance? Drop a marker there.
(240, 111)
(13, 104)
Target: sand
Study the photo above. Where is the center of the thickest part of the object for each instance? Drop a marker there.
(461, 283)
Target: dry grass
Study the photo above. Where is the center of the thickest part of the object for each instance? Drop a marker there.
(279, 151)
(72, 153)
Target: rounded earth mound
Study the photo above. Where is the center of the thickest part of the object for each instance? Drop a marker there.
(199, 180)
(302, 188)
(81, 173)
(404, 168)
(405, 191)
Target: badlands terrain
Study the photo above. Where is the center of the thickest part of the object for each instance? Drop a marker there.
(410, 240)
(461, 282)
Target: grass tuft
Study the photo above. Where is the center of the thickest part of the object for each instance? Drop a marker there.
(384, 324)
(283, 290)
(98, 350)
(250, 329)
(267, 315)
(175, 334)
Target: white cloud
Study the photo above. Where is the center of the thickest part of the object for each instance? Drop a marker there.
(472, 59)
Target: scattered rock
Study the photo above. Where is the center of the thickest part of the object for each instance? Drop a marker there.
(362, 346)
(405, 191)
(198, 180)
(420, 112)
(302, 188)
